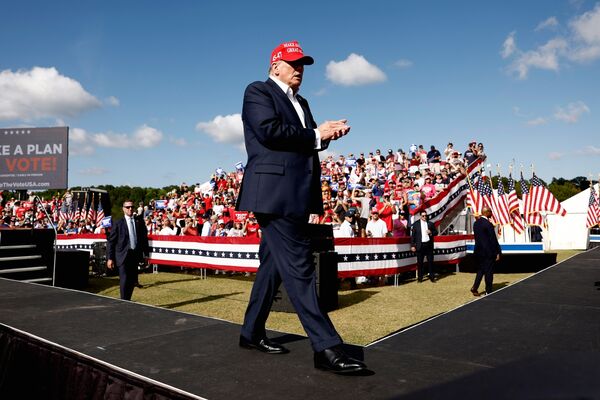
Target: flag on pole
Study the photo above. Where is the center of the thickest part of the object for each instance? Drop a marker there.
(541, 199)
(593, 213)
(502, 203)
(531, 217)
(91, 217)
(488, 200)
(83, 215)
(513, 207)
(474, 199)
(99, 214)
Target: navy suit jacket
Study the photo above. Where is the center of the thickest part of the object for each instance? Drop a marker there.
(282, 175)
(486, 241)
(415, 237)
(118, 241)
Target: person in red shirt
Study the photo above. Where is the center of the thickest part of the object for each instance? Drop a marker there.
(252, 228)
(189, 229)
(386, 210)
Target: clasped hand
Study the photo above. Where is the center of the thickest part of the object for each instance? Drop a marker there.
(333, 130)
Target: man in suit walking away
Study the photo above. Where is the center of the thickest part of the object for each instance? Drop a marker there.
(421, 239)
(281, 185)
(127, 246)
(487, 251)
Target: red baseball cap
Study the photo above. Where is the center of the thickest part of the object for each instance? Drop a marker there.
(290, 51)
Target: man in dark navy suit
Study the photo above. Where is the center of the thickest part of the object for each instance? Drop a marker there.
(421, 239)
(127, 246)
(487, 251)
(281, 185)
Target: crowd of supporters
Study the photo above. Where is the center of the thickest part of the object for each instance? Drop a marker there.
(368, 195)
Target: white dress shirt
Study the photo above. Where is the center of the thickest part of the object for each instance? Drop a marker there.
(424, 234)
(292, 96)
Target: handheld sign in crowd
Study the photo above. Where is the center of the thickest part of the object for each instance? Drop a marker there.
(33, 158)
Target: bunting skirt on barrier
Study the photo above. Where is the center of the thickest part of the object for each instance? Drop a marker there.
(356, 256)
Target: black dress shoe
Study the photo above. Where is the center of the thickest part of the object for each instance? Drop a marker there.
(336, 360)
(475, 292)
(265, 345)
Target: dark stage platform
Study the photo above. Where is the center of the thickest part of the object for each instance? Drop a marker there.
(537, 339)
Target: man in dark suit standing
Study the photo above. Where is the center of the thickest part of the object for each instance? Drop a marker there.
(421, 239)
(487, 251)
(281, 185)
(127, 246)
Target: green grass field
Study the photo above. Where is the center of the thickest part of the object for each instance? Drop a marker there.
(364, 315)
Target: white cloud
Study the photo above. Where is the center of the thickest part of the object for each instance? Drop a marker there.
(537, 121)
(509, 46)
(551, 22)
(42, 93)
(224, 129)
(79, 143)
(146, 136)
(83, 143)
(555, 155)
(403, 63)
(572, 112)
(94, 171)
(544, 57)
(590, 151)
(112, 101)
(580, 44)
(587, 26)
(354, 71)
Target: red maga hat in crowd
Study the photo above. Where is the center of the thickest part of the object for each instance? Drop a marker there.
(290, 51)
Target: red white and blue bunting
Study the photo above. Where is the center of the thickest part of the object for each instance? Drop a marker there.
(356, 256)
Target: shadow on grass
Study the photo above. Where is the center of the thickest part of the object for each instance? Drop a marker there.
(198, 301)
(354, 297)
(100, 284)
(499, 285)
(166, 282)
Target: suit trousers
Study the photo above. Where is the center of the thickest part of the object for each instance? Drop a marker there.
(425, 250)
(486, 268)
(128, 274)
(286, 256)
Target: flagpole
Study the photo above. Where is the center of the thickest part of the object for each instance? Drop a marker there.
(510, 168)
(525, 224)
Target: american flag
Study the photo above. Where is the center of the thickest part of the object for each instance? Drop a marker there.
(531, 217)
(542, 199)
(474, 199)
(84, 214)
(99, 214)
(513, 207)
(593, 214)
(502, 203)
(487, 195)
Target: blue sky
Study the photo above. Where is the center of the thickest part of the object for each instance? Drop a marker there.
(152, 90)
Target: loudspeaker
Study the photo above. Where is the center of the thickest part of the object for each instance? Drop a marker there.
(72, 269)
(99, 260)
(326, 269)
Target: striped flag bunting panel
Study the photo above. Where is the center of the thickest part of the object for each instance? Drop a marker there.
(356, 256)
(451, 197)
